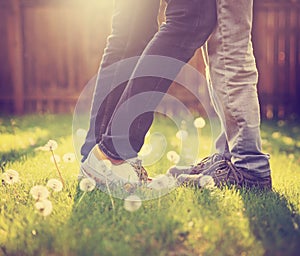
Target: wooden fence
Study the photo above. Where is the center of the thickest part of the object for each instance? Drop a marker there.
(50, 49)
(276, 35)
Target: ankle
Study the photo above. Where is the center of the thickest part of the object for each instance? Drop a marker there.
(102, 156)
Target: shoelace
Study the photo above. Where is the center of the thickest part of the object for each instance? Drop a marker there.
(140, 170)
(237, 174)
(205, 161)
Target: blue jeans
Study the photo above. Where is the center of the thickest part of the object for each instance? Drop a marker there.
(189, 24)
(233, 74)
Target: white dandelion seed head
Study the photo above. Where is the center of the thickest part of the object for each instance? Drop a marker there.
(81, 133)
(44, 207)
(173, 157)
(207, 181)
(55, 185)
(132, 203)
(55, 158)
(51, 145)
(87, 184)
(69, 157)
(39, 192)
(162, 182)
(182, 134)
(199, 123)
(10, 177)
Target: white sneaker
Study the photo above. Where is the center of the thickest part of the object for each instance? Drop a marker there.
(104, 172)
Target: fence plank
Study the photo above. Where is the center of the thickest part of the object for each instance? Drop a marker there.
(15, 41)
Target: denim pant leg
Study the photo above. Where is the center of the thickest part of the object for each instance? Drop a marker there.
(134, 23)
(188, 25)
(233, 75)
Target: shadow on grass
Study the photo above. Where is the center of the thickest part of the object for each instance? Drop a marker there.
(22, 153)
(274, 221)
(100, 227)
(23, 127)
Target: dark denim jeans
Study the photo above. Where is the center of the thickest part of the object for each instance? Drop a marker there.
(188, 25)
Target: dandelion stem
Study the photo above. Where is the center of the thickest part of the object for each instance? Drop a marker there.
(80, 199)
(158, 203)
(59, 173)
(111, 199)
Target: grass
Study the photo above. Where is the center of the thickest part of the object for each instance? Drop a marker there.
(186, 221)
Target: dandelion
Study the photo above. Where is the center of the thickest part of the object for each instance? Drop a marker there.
(207, 181)
(199, 123)
(10, 177)
(182, 134)
(39, 192)
(173, 157)
(69, 157)
(55, 185)
(132, 203)
(81, 133)
(44, 207)
(87, 184)
(51, 145)
(162, 181)
(55, 158)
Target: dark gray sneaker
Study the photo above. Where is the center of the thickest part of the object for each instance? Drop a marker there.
(203, 165)
(224, 173)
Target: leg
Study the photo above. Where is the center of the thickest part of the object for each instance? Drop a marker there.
(133, 25)
(232, 72)
(221, 142)
(233, 75)
(188, 25)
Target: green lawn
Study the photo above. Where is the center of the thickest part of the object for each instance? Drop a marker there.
(187, 221)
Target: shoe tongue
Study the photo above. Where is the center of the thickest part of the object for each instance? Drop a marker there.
(217, 157)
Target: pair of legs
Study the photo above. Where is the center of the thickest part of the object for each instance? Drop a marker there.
(188, 25)
(230, 62)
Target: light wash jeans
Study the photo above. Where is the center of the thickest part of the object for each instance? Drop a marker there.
(231, 67)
